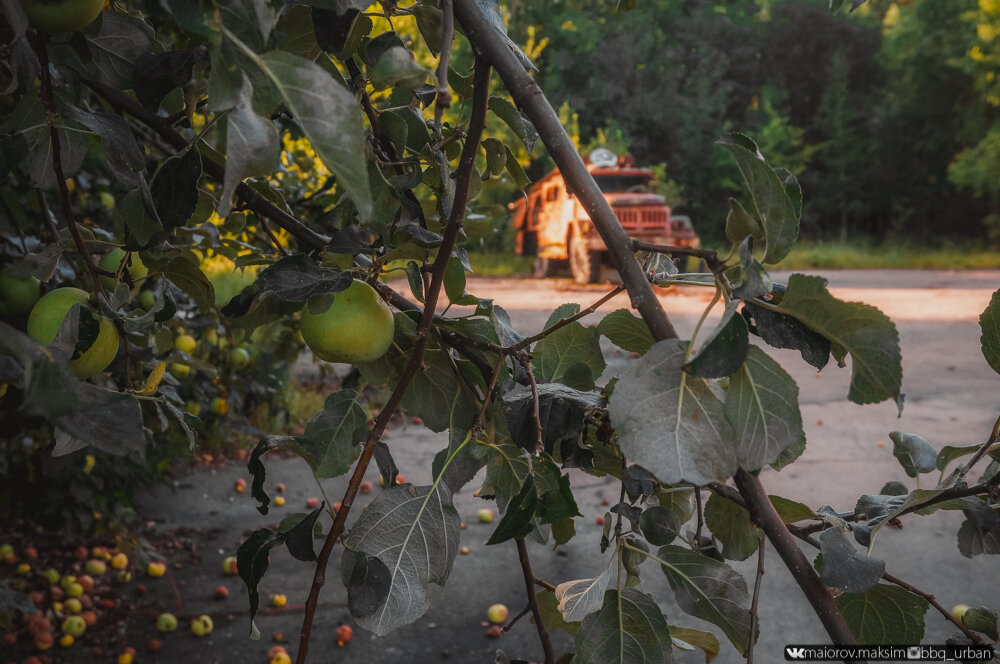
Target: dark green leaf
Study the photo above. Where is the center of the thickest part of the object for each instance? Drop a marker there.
(989, 322)
(116, 48)
(781, 331)
(671, 423)
(123, 157)
(439, 396)
(298, 530)
(731, 525)
(496, 157)
(626, 331)
(900, 615)
(561, 411)
(789, 510)
(507, 467)
(949, 453)
(515, 171)
(294, 279)
(555, 497)
(982, 620)
(175, 189)
(772, 207)
(519, 124)
(465, 462)
(980, 532)
(335, 433)
(517, 520)
(705, 641)
(156, 74)
(413, 534)
(252, 560)
(860, 329)
(629, 629)
(548, 607)
(914, 453)
(184, 271)
(710, 590)
(330, 117)
(762, 406)
(252, 147)
(660, 525)
(740, 224)
(556, 354)
(755, 281)
(722, 353)
(258, 472)
(844, 566)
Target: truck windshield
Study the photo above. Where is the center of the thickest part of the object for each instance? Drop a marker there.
(620, 183)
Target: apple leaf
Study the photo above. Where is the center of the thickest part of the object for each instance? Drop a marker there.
(686, 638)
(408, 536)
(660, 525)
(561, 411)
(723, 352)
(329, 115)
(710, 590)
(252, 560)
(518, 518)
(671, 423)
(252, 146)
(781, 331)
(989, 323)
(507, 467)
(773, 209)
(845, 567)
(116, 47)
(790, 511)
(731, 525)
(900, 615)
(762, 405)
(914, 453)
(982, 620)
(440, 397)
(335, 433)
(579, 598)
(859, 329)
(629, 629)
(518, 123)
(571, 355)
(548, 607)
(626, 331)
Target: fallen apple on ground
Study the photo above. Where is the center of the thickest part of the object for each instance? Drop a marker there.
(485, 515)
(74, 626)
(229, 566)
(343, 635)
(166, 622)
(279, 600)
(156, 569)
(497, 613)
(202, 625)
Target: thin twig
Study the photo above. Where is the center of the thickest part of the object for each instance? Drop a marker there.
(270, 234)
(529, 584)
(980, 453)
(544, 584)
(700, 523)
(753, 602)
(933, 602)
(47, 216)
(466, 162)
(526, 363)
(525, 611)
(521, 345)
(48, 101)
(711, 258)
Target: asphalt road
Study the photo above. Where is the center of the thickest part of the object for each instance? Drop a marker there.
(952, 397)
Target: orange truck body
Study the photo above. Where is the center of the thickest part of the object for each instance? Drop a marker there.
(553, 226)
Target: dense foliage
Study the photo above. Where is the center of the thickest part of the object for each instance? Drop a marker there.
(309, 146)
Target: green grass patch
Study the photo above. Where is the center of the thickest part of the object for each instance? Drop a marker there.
(888, 255)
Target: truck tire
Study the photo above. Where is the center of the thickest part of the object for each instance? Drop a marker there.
(583, 264)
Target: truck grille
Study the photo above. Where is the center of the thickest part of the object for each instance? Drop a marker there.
(637, 218)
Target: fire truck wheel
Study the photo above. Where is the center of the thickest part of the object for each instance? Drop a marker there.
(585, 265)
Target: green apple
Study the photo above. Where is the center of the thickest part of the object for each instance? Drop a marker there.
(485, 515)
(61, 15)
(356, 327)
(17, 296)
(146, 299)
(47, 316)
(959, 610)
(96, 567)
(239, 358)
(75, 626)
(112, 261)
(229, 565)
(166, 622)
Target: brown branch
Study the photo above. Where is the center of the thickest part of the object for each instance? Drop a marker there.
(486, 42)
(933, 602)
(510, 623)
(753, 602)
(711, 258)
(466, 162)
(544, 584)
(700, 523)
(980, 453)
(529, 584)
(526, 363)
(48, 102)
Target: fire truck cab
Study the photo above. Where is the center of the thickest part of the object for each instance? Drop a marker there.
(552, 225)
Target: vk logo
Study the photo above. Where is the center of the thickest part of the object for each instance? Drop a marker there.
(795, 653)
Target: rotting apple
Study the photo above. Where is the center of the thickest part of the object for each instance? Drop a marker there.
(202, 625)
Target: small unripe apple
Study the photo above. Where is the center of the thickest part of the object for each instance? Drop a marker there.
(229, 566)
(51, 575)
(185, 343)
(497, 613)
(74, 590)
(127, 656)
(96, 567)
(156, 569)
(119, 561)
(178, 370)
(279, 600)
(123, 577)
(75, 626)
(166, 622)
(239, 358)
(959, 610)
(201, 625)
(343, 635)
(219, 406)
(67, 581)
(485, 515)
(73, 605)
(66, 640)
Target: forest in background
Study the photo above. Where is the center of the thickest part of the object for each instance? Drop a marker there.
(889, 116)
